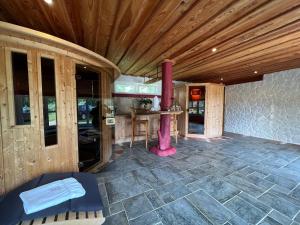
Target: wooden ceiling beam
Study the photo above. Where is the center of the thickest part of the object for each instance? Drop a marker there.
(74, 17)
(204, 51)
(132, 16)
(252, 59)
(276, 27)
(165, 18)
(106, 17)
(139, 34)
(192, 22)
(57, 18)
(247, 68)
(263, 49)
(238, 76)
(236, 26)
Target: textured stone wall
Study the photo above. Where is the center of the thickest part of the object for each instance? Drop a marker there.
(267, 109)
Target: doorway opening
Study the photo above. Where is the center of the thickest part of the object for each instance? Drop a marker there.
(196, 112)
(88, 91)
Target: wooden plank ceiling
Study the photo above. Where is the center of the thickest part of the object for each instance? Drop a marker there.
(249, 35)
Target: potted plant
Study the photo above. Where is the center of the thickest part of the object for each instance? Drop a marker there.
(145, 103)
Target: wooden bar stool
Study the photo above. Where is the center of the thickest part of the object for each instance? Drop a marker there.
(134, 123)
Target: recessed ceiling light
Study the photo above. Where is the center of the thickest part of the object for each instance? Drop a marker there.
(255, 72)
(214, 49)
(49, 2)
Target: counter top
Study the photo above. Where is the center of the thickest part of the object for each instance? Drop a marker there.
(152, 113)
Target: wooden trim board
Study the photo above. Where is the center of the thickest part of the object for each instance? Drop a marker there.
(69, 218)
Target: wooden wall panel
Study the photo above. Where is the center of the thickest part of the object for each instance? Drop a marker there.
(23, 154)
(71, 112)
(2, 89)
(106, 98)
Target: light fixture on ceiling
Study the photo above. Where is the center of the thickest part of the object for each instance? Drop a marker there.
(49, 2)
(255, 72)
(214, 49)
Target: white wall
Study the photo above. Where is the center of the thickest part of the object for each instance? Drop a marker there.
(267, 109)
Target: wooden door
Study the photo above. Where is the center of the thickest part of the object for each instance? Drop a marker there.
(214, 110)
(181, 99)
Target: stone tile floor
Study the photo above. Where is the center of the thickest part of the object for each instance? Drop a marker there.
(234, 180)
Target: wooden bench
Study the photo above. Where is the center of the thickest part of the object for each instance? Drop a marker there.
(69, 218)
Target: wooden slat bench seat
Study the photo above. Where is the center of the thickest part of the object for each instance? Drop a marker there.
(69, 218)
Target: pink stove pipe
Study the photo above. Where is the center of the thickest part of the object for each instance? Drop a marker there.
(164, 147)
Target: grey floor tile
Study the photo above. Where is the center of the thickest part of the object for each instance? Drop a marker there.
(280, 217)
(235, 173)
(167, 197)
(216, 187)
(282, 181)
(124, 188)
(136, 206)
(105, 211)
(295, 223)
(150, 218)
(245, 210)
(281, 189)
(181, 212)
(166, 174)
(260, 182)
(119, 219)
(210, 207)
(295, 165)
(258, 174)
(116, 208)
(236, 220)
(245, 185)
(253, 201)
(155, 200)
(296, 193)
(176, 189)
(297, 217)
(286, 197)
(269, 221)
(280, 204)
(246, 170)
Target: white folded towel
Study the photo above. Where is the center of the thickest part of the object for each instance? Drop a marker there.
(51, 194)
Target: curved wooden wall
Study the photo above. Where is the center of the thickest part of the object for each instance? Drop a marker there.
(22, 151)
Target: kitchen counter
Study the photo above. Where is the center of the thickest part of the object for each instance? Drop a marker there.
(123, 125)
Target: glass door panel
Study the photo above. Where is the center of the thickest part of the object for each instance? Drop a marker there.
(196, 110)
(89, 116)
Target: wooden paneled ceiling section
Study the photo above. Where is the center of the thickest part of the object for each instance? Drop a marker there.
(250, 35)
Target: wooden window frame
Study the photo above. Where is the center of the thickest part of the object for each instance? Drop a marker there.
(10, 86)
(41, 104)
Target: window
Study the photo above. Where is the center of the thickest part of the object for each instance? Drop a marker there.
(20, 88)
(49, 101)
(136, 88)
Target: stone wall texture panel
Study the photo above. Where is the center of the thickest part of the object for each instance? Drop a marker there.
(267, 109)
